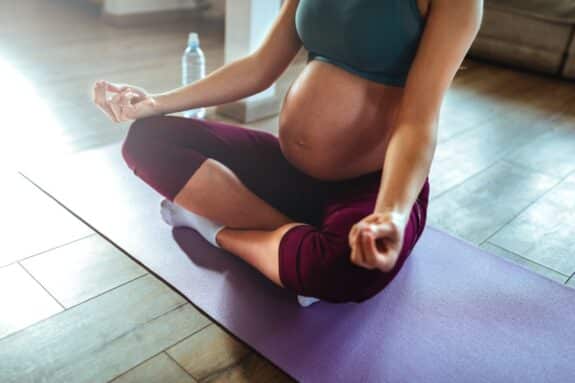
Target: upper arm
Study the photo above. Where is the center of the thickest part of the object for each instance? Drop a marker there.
(280, 45)
(450, 29)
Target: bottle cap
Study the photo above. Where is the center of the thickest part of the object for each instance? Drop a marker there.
(193, 39)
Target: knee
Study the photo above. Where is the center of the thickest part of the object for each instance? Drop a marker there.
(139, 136)
(209, 175)
(144, 128)
(317, 262)
(215, 172)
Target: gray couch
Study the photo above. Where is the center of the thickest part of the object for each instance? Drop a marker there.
(534, 34)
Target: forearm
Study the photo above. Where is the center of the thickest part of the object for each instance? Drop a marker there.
(407, 164)
(233, 81)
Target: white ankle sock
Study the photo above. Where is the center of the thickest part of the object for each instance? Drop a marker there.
(306, 301)
(177, 216)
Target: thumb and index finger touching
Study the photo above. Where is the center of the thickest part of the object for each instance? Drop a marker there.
(112, 87)
(124, 95)
(102, 86)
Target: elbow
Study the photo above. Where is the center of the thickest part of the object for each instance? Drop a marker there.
(431, 142)
(427, 136)
(421, 137)
(428, 147)
(263, 84)
(427, 139)
(265, 80)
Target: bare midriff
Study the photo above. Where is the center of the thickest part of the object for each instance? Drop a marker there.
(335, 125)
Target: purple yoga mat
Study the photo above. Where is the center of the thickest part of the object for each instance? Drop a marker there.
(453, 314)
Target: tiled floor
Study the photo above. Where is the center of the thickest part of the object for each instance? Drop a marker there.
(74, 308)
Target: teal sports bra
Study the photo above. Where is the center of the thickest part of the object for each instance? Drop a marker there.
(375, 39)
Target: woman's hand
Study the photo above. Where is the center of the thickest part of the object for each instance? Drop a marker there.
(376, 240)
(128, 103)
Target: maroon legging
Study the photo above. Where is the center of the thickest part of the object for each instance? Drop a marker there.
(314, 259)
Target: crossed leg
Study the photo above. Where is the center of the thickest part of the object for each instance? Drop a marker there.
(197, 164)
(286, 224)
(215, 192)
(253, 229)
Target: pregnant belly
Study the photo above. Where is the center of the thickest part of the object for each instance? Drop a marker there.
(334, 124)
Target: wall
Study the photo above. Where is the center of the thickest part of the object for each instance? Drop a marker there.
(126, 7)
(123, 7)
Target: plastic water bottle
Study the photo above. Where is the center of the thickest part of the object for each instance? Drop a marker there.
(193, 69)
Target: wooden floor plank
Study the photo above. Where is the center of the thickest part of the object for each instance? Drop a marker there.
(102, 338)
(32, 222)
(552, 153)
(480, 206)
(160, 368)
(473, 151)
(22, 301)
(82, 270)
(208, 352)
(251, 369)
(525, 263)
(545, 232)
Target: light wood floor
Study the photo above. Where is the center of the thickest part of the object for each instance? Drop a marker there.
(75, 309)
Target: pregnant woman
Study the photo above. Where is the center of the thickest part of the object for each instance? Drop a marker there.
(332, 207)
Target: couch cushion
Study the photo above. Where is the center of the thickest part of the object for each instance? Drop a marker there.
(569, 70)
(562, 11)
(525, 30)
(533, 34)
(518, 55)
(522, 40)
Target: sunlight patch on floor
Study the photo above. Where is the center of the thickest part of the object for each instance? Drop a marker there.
(30, 130)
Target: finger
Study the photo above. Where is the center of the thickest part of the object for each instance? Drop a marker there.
(138, 91)
(129, 113)
(115, 106)
(367, 249)
(358, 227)
(360, 257)
(99, 92)
(127, 88)
(127, 108)
(370, 249)
(385, 227)
(116, 88)
(385, 237)
(354, 255)
(352, 234)
(95, 89)
(381, 237)
(101, 102)
(126, 98)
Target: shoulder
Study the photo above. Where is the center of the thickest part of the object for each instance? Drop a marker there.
(455, 16)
